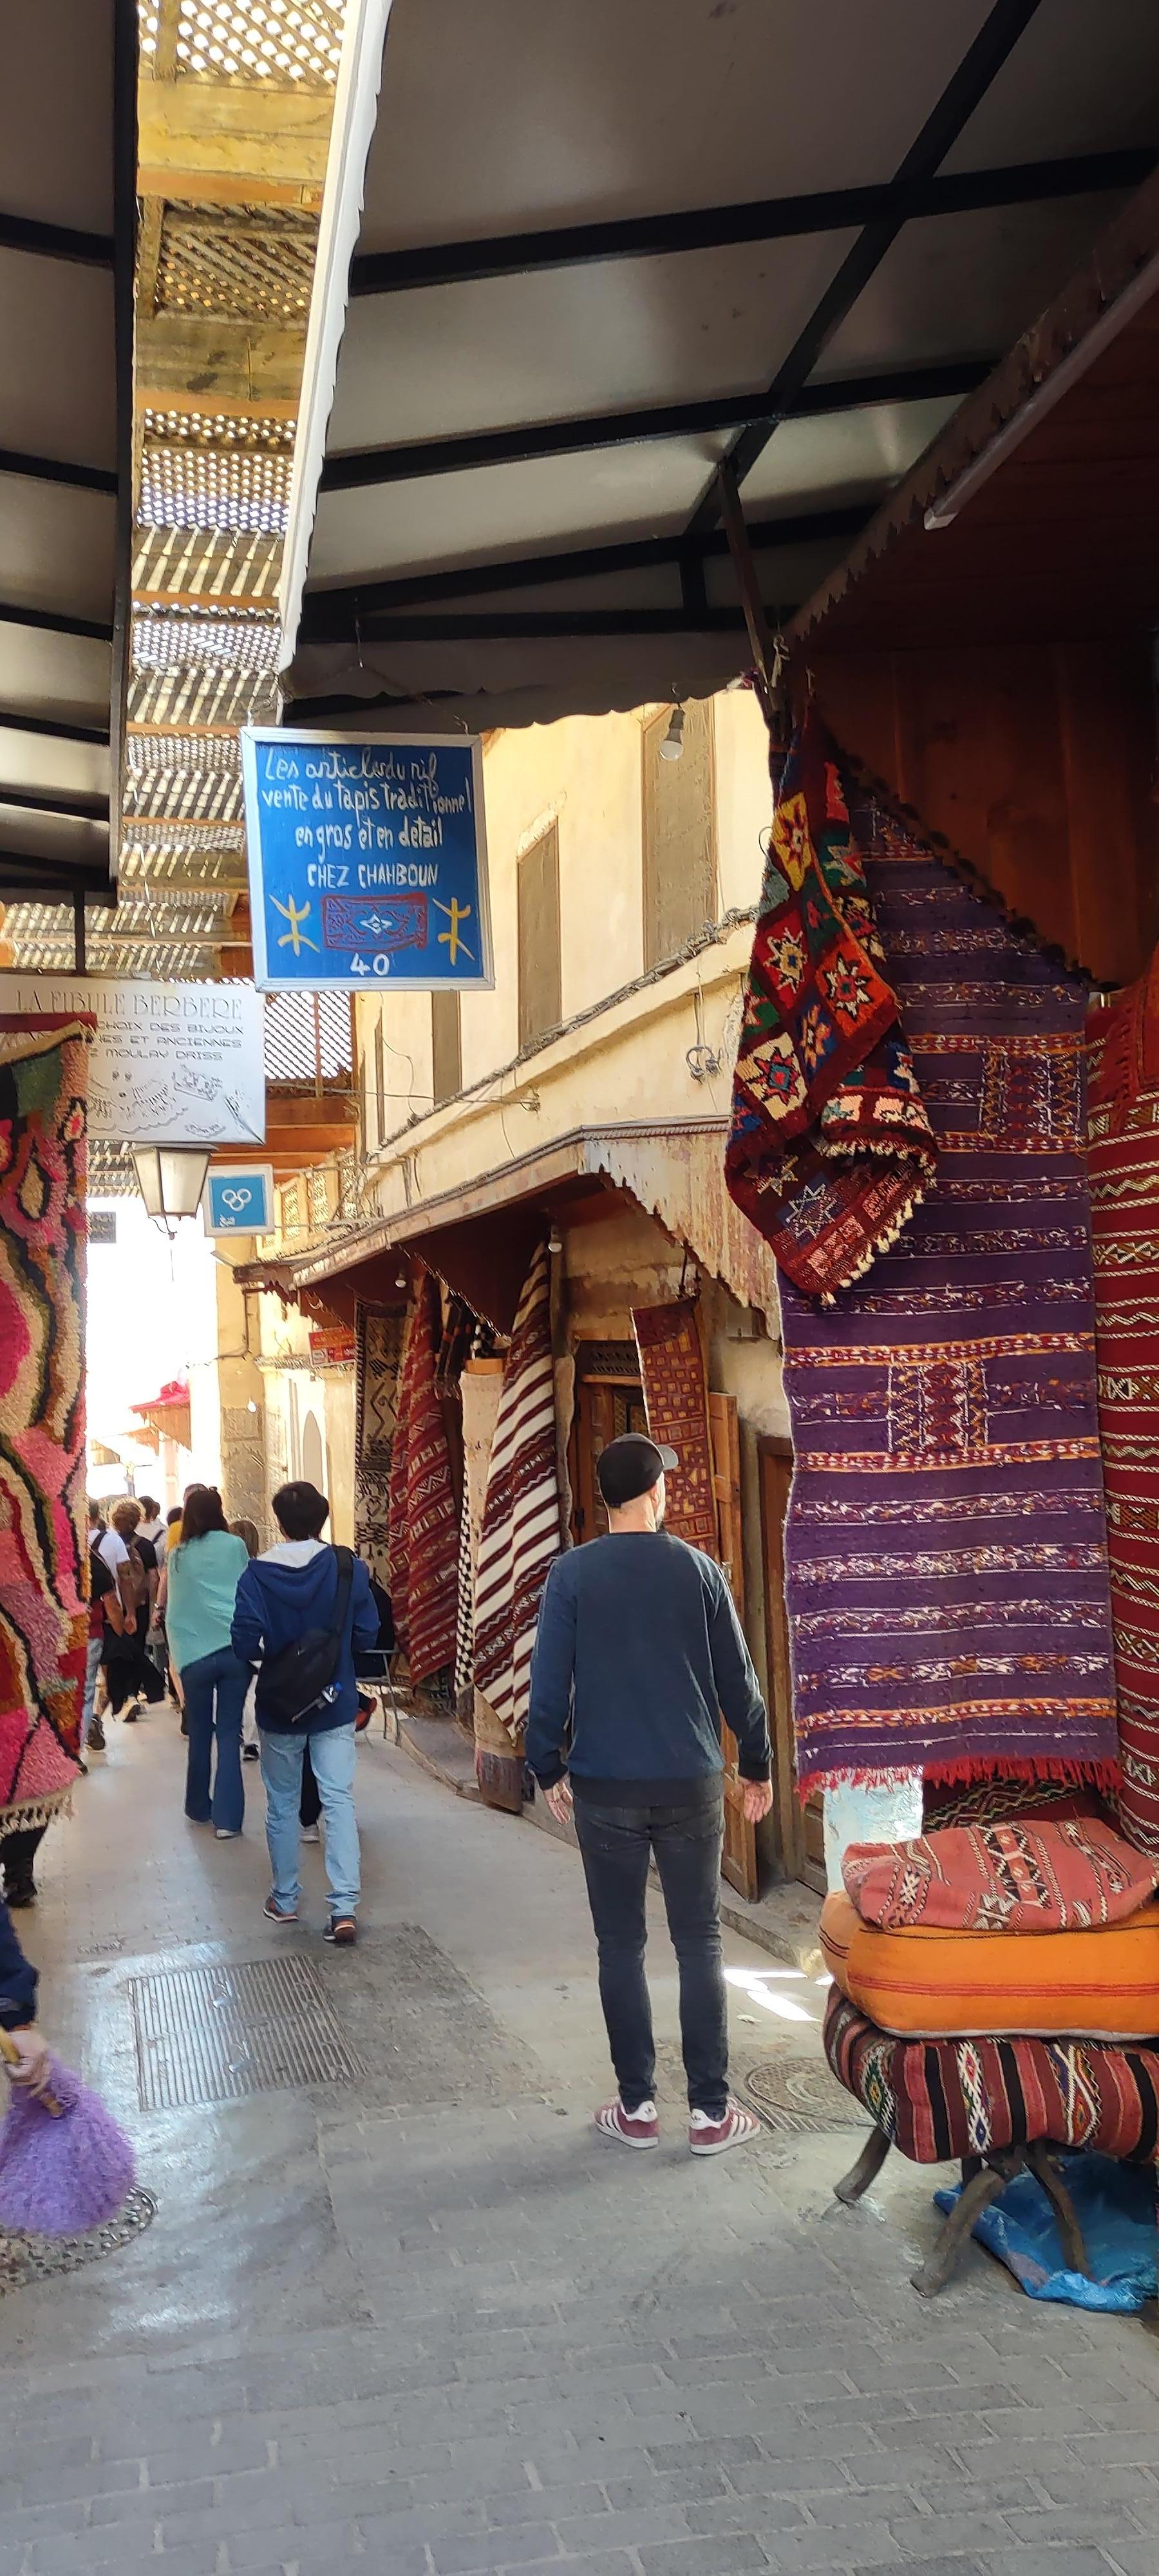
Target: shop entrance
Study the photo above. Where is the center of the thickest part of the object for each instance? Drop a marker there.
(609, 1400)
(800, 1829)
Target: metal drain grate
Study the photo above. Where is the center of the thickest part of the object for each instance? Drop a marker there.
(798, 2094)
(218, 2034)
(36, 2258)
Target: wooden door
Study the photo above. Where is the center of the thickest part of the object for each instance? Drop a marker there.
(800, 1829)
(604, 1409)
(739, 1860)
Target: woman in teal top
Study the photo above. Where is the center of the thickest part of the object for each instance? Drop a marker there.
(204, 1572)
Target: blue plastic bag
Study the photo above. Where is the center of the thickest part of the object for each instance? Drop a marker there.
(1115, 2207)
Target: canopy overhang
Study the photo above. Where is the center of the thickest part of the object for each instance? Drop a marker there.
(574, 261)
(1035, 514)
(67, 236)
(480, 1238)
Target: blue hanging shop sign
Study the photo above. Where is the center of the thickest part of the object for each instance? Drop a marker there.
(367, 862)
(240, 1200)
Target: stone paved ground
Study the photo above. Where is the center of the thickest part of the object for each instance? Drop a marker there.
(433, 2324)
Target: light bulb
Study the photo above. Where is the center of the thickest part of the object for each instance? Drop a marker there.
(672, 746)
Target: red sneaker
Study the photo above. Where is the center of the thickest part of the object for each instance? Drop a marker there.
(639, 2128)
(713, 2137)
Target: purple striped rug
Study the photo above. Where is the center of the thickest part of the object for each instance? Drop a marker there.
(945, 1547)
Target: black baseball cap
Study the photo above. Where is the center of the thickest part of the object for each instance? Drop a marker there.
(631, 1466)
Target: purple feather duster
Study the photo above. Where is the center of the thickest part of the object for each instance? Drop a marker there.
(62, 2172)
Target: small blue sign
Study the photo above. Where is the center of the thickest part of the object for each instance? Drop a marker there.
(367, 861)
(240, 1202)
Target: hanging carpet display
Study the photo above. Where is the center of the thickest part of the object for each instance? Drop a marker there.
(43, 1563)
(676, 1400)
(945, 1546)
(830, 1145)
(423, 1553)
(1124, 1175)
(521, 1524)
(378, 1340)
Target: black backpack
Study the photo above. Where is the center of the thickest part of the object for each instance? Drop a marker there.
(291, 1684)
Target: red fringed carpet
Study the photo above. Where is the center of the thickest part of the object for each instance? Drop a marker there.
(43, 1558)
(424, 1516)
(676, 1398)
(830, 1146)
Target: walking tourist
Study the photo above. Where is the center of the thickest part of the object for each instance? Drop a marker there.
(250, 1748)
(639, 1649)
(204, 1571)
(106, 1619)
(302, 1610)
(131, 1560)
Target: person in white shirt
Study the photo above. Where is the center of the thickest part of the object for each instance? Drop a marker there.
(152, 1525)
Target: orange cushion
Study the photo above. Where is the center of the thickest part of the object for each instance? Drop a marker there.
(930, 1984)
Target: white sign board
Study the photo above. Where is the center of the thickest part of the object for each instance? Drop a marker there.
(171, 1064)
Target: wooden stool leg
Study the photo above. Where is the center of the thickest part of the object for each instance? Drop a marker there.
(856, 2182)
(1038, 2158)
(977, 2195)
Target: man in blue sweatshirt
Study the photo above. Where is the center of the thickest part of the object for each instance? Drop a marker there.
(639, 1650)
(289, 1595)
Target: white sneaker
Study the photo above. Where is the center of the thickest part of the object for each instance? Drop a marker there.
(227, 1834)
(310, 1834)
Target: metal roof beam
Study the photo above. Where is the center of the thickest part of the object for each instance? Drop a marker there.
(55, 621)
(35, 880)
(56, 241)
(31, 800)
(51, 728)
(357, 469)
(963, 94)
(904, 199)
(55, 469)
(332, 615)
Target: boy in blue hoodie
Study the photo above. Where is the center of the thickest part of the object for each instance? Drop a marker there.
(289, 1592)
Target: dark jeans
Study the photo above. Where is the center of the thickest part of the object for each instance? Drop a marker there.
(617, 1844)
(310, 1802)
(17, 1853)
(129, 1672)
(215, 1688)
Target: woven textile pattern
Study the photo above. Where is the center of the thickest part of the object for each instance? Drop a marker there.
(43, 1562)
(1124, 1174)
(378, 1340)
(830, 1145)
(423, 1553)
(941, 2099)
(521, 1532)
(1001, 1878)
(676, 1400)
(945, 1544)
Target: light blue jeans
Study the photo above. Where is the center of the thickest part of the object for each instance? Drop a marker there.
(92, 1668)
(332, 1755)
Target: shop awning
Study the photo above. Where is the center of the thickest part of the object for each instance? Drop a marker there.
(1036, 512)
(67, 238)
(480, 1238)
(573, 260)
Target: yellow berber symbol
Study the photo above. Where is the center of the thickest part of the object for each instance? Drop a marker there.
(295, 936)
(452, 939)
